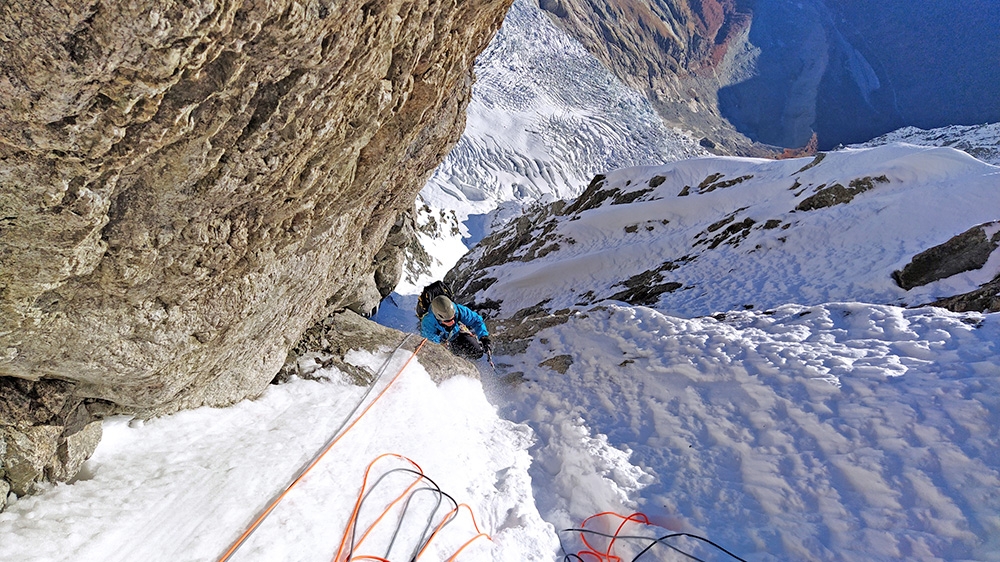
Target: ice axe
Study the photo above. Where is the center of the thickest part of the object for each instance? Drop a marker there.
(489, 354)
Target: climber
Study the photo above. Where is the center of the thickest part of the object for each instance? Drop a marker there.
(460, 328)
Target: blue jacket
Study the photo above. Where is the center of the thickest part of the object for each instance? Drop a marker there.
(433, 330)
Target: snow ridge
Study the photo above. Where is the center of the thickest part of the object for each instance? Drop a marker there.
(980, 141)
(714, 234)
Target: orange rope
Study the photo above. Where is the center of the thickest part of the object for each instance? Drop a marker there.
(606, 556)
(342, 556)
(467, 543)
(267, 511)
(361, 494)
(452, 514)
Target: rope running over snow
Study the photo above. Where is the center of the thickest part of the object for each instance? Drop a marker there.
(341, 431)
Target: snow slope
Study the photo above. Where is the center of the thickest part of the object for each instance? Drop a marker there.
(716, 234)
(824, 430)
(184, 487)
(836, 432)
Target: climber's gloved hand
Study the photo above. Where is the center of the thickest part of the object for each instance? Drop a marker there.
(487, 344)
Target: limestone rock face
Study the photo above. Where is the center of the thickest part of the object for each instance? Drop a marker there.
(186, 187)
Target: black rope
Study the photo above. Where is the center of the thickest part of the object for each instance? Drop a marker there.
(655, 540)
(427, 526)
(689, 535)
(424, 538)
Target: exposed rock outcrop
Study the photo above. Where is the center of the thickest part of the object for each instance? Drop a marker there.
(968, 251)
(45, 432)
(836, 194)
(187, 187)
(964, 252)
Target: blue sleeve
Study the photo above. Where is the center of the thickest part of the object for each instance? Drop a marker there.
(429, 329)
(472, 319)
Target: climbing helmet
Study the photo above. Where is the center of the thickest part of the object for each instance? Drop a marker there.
(443, 309)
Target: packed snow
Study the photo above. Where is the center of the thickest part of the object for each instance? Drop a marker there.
(843, 431)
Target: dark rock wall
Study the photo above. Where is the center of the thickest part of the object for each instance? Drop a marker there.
(851, 70)
(678, 52)
(938, 63)
(776, 71)
(186, 187)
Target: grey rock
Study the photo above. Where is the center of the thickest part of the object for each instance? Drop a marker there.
(984, 299)
(389, 261)
(963, 252)
(29, 452)
(559, 363)
(74, 450)
(837, 194)
(4, 491)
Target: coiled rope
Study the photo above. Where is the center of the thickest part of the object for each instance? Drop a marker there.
(346, 549)
(345, 426)
(608, 556)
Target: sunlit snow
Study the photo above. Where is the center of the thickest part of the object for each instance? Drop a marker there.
(778, 253)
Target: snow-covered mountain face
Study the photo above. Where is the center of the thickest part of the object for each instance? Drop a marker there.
(545, 116)
(981, 141)
(780, 70)
(797, 398)
(715, 234)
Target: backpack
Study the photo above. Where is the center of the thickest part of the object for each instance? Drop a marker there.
(435, 289)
